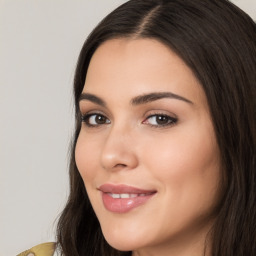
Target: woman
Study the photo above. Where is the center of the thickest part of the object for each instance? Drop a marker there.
(163, 158)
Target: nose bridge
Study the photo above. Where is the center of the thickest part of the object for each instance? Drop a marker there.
(117, 151)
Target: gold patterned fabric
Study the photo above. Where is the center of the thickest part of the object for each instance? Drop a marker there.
(46, 249)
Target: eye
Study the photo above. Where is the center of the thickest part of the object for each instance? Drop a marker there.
(93, 120)
(160, 120)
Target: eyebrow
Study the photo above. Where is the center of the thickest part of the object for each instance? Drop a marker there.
(146, 98)
(138, 100)
(93, 98)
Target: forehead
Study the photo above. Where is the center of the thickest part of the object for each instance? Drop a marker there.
(137, 66)
(133, 56)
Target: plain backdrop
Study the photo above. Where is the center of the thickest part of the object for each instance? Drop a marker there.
(39, 44)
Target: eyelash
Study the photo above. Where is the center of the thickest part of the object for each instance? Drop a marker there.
(170, 121)
(85, 119)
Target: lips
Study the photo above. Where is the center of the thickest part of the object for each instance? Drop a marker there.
(123, 198)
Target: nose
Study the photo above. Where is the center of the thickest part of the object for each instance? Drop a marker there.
(118, 152)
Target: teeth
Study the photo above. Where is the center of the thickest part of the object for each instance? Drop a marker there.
(125, 195)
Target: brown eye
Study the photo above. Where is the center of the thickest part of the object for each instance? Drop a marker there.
(99, 119)
(159, 120)
(95, 119)
(162, 120)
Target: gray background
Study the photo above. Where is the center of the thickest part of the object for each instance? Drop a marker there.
(39, 44)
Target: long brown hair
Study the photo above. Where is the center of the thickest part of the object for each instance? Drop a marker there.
(218, 42)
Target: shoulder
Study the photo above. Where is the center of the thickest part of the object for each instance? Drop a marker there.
(45, 249)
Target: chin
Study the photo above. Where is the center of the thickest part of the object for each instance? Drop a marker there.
(121, 246)
(123, 242)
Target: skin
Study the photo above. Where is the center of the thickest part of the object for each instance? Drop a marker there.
(179, 160)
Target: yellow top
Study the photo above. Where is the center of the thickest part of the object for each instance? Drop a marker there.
(46, 249)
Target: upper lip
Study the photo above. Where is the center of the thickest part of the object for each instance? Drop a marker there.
(123, 189)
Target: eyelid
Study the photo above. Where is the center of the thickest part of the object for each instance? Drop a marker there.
(86, 116)
(87, 108)
(173, 119)
(170, 121)
(154, 112)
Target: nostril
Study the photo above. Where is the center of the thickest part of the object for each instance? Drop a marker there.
(120, 165)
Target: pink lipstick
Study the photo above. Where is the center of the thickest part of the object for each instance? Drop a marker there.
(123, 198)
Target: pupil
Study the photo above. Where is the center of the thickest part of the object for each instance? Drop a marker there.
(162, 119)
(100, 119)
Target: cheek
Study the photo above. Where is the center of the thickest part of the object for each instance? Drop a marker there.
(187, 169)
(187, 164)
(85, 157)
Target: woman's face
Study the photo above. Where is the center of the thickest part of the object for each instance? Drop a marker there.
(147, 151)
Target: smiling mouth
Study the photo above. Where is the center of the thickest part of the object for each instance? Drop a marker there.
(123, 198)
(128, 195)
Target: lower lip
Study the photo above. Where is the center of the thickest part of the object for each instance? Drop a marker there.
(123, 205)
